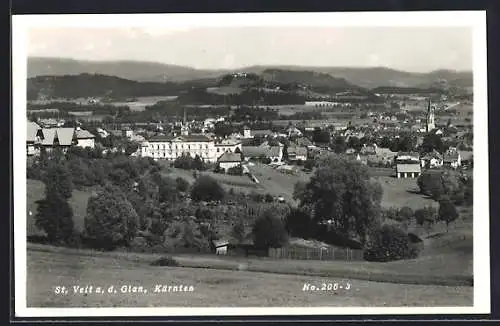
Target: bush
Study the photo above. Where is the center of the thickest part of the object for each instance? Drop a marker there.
(207, 188)
(165, 261)
(182, 184)
(236, 170)
(390, 243)
(269, 231)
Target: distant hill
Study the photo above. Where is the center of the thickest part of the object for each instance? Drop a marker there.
(133, 70)
(158, 72)
(94, 85)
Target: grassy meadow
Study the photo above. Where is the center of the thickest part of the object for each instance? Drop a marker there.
(230, 288)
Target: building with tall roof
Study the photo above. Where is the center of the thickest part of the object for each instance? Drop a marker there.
(172, 147)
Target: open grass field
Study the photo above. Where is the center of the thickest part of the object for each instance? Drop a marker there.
(402, 192)
(46, 270)
(36, 190)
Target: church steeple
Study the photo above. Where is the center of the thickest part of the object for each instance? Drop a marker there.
(184, 128)
(431, 125)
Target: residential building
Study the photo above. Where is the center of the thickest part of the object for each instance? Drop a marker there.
(408, 157)
(227, 145)
(274, 153)
(61, 138)
(452, 158)
(84, 138)
(229, 160)
(267, 133)
(432, 160)
(298, 153)
(127, 132)
(408, 170)
(293, 132)
(247, 132)
(33, 139)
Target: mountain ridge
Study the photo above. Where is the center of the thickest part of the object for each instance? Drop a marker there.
(144, 71)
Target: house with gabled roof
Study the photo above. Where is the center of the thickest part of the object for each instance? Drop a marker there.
(33, 138)
(229, 160)
(84, 138)
(432, 160)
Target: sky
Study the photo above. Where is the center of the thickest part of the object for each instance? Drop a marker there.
(415, 49)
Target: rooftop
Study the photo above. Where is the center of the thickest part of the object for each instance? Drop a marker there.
(408, 168)
(230, 157)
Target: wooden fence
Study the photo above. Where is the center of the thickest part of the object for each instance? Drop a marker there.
(302, 253)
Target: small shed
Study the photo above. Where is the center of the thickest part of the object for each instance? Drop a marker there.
(220, 246)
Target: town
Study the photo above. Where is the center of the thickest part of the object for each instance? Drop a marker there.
(250, 172)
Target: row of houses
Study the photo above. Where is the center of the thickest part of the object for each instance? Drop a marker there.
(410, 165)
(45, 139)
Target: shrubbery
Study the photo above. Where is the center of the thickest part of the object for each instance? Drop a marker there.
(207, 188)
(165, 261)
(269, 230)
(390, 243)
(236, 170)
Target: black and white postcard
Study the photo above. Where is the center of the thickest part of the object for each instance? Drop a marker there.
(251, 164)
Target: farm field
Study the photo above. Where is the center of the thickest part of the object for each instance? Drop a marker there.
(46, 270)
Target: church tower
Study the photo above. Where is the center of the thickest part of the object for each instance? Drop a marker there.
(431, 125)
(184, 128)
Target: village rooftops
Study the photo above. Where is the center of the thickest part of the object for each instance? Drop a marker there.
(256, 151)
(228, 157)
(63, 135)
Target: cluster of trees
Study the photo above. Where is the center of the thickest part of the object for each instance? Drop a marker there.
(447, 185)
(200, 96)
(170, 109)
(87, 168)
(187, 162)
(252, 113)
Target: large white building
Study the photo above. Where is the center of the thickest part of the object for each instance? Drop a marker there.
(172, 147)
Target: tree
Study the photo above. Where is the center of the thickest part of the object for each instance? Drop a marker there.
(238, 231)
(207, 188)
(432, 142)
(269, 231)
(321, 136)
(182, 184)
(198, 164)
(355, 143)
(111, 219)
(300, 224)
(405, 213)
(426, 217)
(339, 145)
(58, 179)
(168, 190)
(343, 193)
(185, 162)
(447, 212)
(55, 217)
